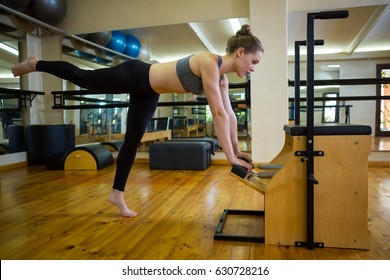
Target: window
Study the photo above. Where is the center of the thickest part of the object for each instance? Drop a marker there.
(382, 124)
(330, 111)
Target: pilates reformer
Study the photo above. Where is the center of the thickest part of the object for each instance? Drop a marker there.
(340, 218)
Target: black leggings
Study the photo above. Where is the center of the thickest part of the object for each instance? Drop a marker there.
(128, 77)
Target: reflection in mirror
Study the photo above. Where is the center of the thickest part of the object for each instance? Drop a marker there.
(98, 124)
(189, 116)
(9, 103)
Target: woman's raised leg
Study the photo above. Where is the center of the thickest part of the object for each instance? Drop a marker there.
(26, 66)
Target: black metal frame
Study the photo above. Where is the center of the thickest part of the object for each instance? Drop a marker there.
(343, 82)
(60, 97)
(297, 78)
(219, 235)
(25, 97)
(311, 180)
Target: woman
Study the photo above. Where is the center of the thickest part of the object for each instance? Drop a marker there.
(203, 73)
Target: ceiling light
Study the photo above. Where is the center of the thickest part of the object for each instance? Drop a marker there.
(235, 24)
(9, 49)
(333, 66)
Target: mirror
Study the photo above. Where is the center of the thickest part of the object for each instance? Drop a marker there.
(96, 124)
(10, 113)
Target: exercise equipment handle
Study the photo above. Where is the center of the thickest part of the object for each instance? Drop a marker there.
(239, 170)
(332, 14)
(318, 42)
(312, 179)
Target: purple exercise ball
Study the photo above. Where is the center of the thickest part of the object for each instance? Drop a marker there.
(49, 11)
(100, 38)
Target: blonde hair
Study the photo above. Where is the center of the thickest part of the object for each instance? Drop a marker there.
(244, 39)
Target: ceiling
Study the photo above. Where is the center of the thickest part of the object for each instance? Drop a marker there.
(365, 34)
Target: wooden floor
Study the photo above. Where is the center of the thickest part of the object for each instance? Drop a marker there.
(46, 214)
(380, 144)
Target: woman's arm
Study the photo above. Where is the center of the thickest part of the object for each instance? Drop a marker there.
(222, 118)
(224, 87)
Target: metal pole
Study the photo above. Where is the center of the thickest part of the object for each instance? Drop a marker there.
(309, 133)
(310, 181)
(297, 76)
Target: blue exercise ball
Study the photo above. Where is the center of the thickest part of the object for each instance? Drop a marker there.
(19, 5)
(49, 11)
(133, 46)
(85, 55)
(117, 42)
(102, 60)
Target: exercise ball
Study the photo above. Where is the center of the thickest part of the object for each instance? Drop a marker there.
(117, 42)
(49, 11)
(85, 55)
(101, 60)
(133, 46)
(78, 45)
(19, 5)
(22, 24)
(100, 38)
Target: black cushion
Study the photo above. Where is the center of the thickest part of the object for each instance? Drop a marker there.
(329, 129)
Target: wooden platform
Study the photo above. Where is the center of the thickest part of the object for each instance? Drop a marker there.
(55, 214)
(341, 197)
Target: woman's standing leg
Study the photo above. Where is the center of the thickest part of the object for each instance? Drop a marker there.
(141, 110)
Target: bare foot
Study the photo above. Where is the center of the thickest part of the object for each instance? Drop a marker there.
(25, 67)
(116, 198)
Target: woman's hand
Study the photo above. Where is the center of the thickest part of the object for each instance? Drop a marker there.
(247, 164)
(244, 157)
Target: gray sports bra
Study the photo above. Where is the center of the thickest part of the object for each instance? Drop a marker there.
(188, 80)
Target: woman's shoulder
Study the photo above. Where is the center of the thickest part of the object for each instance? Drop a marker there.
(205, 59)
(206, 56)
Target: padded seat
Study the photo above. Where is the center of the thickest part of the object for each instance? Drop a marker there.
(180, 155)
(329, 129)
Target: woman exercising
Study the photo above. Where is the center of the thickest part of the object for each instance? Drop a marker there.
(203, 73)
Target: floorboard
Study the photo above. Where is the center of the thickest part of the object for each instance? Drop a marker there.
(65, 215)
